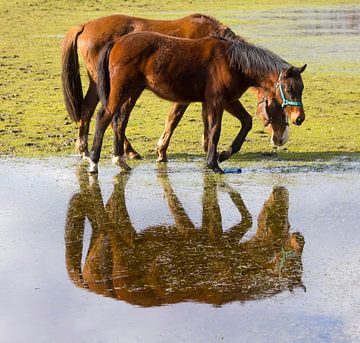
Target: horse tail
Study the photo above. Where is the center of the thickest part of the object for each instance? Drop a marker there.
(103, 82)
(70, 75)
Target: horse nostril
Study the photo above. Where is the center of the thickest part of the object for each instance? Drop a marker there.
(298, 121)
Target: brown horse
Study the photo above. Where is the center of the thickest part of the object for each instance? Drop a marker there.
(215, 71)
(91, 38)
(166, 264)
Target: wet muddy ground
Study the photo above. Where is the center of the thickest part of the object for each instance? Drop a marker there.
(177, 254)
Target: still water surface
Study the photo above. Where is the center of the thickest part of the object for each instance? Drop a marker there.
(176, 254)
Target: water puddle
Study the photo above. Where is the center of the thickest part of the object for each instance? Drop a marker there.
(321, 35)
(164, 263)
(183, 254)
(314, 21)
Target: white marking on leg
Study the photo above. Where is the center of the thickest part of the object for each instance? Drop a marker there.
(116, 160)
(93, 167)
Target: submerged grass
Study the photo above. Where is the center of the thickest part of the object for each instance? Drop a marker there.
(34, 122)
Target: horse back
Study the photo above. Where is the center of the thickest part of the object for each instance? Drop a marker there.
(98, 32)
(176, 69)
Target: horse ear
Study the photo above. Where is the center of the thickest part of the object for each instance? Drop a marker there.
(289, 71)
(301, 69)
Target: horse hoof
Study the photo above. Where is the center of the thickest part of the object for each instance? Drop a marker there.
(120, 161)
(125, 167)
(161, 159)
(93, 169)
(134, 156)
(217, 170)
(116, 160)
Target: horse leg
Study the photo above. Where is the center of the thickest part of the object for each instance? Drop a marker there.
(128, 149)
(103, 120)
(214, 109)
(205, 139)
(238, 111)
(87, 111)
(172, 120)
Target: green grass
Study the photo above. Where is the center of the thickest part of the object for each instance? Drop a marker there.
(34, 122)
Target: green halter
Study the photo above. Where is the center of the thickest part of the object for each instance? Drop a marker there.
(285, 101)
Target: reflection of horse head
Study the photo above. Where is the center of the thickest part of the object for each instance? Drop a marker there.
(169, 264)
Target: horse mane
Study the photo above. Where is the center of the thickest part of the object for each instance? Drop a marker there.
(203, 17)
(249, 58)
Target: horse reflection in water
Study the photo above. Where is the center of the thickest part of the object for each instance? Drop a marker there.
(170, 264)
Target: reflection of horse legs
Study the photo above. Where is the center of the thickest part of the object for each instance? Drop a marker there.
(237, 231)
(121, 227)
(182, 222)
(172, 120)
(238, 111)
(82, 205)
(211, 217)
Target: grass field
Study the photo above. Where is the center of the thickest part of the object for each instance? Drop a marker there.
(34, 122)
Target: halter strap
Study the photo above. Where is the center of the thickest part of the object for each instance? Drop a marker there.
(270, 118)
(285, 101)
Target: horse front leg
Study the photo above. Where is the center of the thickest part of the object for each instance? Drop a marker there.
(87, 110)
(205, 139)
(238, 111)
(129, 151)
(172, 120)
(214, 109)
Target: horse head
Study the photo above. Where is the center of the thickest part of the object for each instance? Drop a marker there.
(288, 93)
(283, 103)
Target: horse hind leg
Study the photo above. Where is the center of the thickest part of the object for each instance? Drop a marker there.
(118, 123)
(103, 120)
(129, 151)
(118, 158)
(173, 118)
(87, 110)
(214, 110)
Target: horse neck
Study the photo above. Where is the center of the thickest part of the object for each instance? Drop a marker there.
(265, 85)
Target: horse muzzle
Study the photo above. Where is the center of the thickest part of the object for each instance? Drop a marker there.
(297, 117)
(279, 139)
